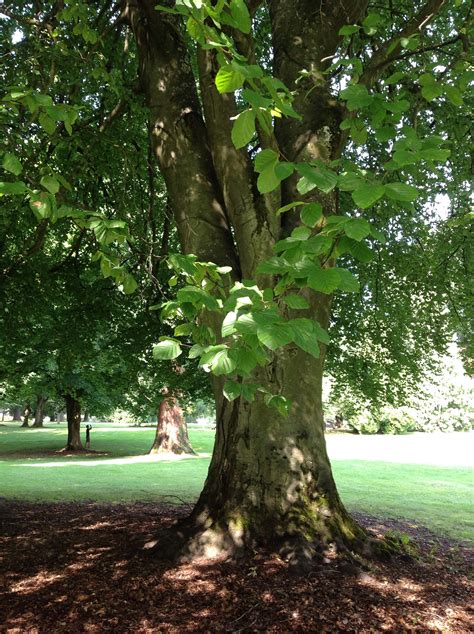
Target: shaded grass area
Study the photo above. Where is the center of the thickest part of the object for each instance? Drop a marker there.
(440, 498)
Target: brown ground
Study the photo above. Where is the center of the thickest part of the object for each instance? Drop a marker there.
(73, 567)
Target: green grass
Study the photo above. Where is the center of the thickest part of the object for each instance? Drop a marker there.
(438, 497)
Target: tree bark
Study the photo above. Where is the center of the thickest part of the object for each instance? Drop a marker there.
(86, 417)
(39, 411)
(60, 417)
(270, 480)
(73, 412)
(171, 429)
(26, 415)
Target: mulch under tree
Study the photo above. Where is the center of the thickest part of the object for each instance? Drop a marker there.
(82, 567)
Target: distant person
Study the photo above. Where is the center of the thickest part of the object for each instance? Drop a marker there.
(88, 436)
(339, 421)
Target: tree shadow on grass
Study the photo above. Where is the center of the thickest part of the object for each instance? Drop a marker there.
(82, 567)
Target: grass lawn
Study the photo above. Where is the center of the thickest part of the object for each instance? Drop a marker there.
(393, 485)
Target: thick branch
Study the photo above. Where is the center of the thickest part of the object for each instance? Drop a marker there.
(179, 136)
(254, 222)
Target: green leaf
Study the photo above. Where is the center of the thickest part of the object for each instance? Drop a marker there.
(274, 336)
(322, 178)
(12, 189)
(195, 351)
(349, 283)
(307, 334)
(288, 207)
(349, 29)
(267, 181)
(435, 154)
(11, 164)
(274, 265)
(311, 214)
(430, 87)
(50, 183)
(324, 280)
(401, 191)
(295, 301)
(249, 391)
(42, 205)
(221, 363)
(166, 349)
(246, 359)
(378, 235)
(232, 390)
(129, 284)
(301, 233)
(280, 403)
(228, 79)
(228, 325)
(357, 228)
(368, 194)
(265, 159)
(241, 15)
(47, 123)
(360, 251)
(243, 129)
(454, 95)
(357, 96)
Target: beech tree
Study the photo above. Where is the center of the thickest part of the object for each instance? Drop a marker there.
(278, 236)
(295, 140)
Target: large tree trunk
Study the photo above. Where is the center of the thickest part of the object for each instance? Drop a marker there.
(73, 412)
(171, 429)
(270, 479)
(39, 411)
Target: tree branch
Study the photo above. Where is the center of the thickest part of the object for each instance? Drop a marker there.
(391, 49)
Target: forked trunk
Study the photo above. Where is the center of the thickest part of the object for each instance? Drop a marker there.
(73, 412)
(171, 430)
(39, 411)
(270, 480)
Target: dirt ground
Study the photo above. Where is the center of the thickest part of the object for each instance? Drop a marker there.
(82, 567)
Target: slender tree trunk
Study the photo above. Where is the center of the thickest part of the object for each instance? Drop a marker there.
(73, 411)
(26, 415)
(16, 413)
(86, 417)
(171, 430)
(39, 411)
(60, 417)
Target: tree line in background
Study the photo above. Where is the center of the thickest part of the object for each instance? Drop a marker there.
(235, 180)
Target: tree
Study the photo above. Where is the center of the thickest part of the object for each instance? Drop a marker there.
(270, 478)
(348, 137)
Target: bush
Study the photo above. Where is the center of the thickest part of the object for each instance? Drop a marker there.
(364, 423)
(449, 420)
(399, 420)
(388, 420)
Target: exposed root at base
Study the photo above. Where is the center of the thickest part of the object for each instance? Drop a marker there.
(187, 542)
